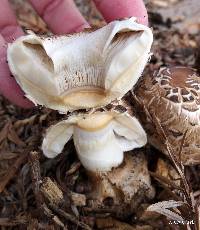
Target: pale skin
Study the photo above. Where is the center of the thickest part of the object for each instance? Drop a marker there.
(62, 17)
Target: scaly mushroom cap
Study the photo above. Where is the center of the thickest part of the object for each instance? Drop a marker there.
(99, 138)
(172, 96)
(84, 70)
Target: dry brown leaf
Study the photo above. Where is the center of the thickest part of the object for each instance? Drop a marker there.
(13, 221)
(9, 133)
(12, 171)
(6, 155)
(113, 224)
(12, 136)
(166, 170)
(26, 121)
(78, 199)
(4, 132)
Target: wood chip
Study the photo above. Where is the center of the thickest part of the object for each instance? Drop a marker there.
(51, 191)
(113, 224)
(78, 199)
(12, 136)
(4, 132)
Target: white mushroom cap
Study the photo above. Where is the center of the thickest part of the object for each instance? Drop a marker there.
(84, 70)
(172, 96)
(99, 138)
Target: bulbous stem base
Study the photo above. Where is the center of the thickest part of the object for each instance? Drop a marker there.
(127, 184)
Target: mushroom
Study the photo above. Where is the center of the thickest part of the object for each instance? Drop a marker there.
(172, 96)
(83, 70)
(126, 186)
(100, 140)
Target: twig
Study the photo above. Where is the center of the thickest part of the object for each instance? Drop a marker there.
(55, 219)
(169, 191)
(54, 196)
(181, 149)
(187, 190)
(100, 210)
(74, 167)
(69, 217)
(177, 165)
(13, 222)
(166, 181)
(12, 171)
(188, 194)
(36, 176)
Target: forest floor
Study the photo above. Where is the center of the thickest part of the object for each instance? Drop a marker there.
(24, 171)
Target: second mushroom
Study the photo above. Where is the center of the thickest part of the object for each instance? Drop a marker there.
(171, 96)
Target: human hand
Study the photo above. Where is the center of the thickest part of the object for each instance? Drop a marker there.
(55, 13)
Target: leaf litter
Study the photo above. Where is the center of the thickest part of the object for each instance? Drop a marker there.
(26, 199)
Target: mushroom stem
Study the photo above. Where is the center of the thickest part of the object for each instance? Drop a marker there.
(102, 188)
(125, 185)
(101, 139)
(99, 150)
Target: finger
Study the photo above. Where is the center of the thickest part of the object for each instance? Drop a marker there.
(116, 9)
(8, 86)
(9, 28)
(62, 16)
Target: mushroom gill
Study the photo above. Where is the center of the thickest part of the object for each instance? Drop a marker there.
(172, 96)
(83, 70)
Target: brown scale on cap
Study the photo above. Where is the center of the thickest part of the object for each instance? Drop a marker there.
(173, 97)
(182, 85)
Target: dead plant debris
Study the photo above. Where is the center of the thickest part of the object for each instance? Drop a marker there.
(41, 193)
